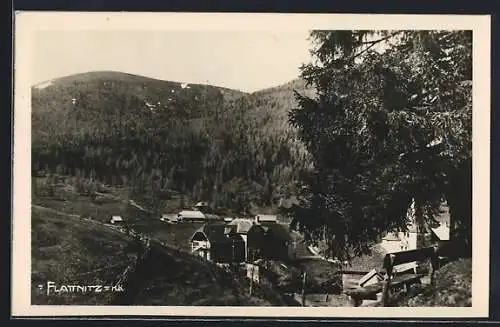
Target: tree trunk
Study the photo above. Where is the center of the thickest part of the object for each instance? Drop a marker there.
(459, 198)
(420, 224)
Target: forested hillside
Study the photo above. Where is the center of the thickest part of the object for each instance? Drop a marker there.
(158, 137)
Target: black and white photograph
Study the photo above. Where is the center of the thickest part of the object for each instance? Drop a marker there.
(240, 164)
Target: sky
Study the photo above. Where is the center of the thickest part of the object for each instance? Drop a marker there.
(243, 60)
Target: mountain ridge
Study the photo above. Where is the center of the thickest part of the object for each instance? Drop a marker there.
(117, 73)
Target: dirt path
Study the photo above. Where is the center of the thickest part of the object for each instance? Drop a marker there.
(135, 204)
(42, 208)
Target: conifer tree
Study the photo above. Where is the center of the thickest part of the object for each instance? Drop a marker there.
(391, 122)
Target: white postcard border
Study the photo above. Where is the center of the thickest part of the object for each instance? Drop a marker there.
(28, 23)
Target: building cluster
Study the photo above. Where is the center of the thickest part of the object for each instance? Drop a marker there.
(234, 240)
(413, 238)
(242, 240)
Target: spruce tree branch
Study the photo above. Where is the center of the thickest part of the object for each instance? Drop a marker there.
(373, 43)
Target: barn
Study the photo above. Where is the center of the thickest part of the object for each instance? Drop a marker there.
(440, 234)
(203, 207)
(197, 216)
(252, 234)
(256, 242)
(191, 216)
(241, 226)
(264, 239)
(219, 243)
(277, 242)
(116, 220)
(169, 218)
(266, 219)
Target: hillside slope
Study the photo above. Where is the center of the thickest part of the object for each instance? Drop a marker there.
(278, 101)
(453, 288)
(112, 100)
(69, 251)
(234, 149)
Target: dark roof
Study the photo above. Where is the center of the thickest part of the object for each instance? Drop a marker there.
(216, 233)
(266, 218)
(278, 230)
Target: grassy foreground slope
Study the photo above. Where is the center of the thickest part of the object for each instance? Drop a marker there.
(453, 288)
(70, 251)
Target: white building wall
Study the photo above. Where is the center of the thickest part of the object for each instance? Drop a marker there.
(203, 244)
(390, 246)
(245, 237)
(396, 246)
(412, 241)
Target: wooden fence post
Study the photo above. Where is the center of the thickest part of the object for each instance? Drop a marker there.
(386, 283)
(385, 292)
(304, 289)
(251, 279)
(431, 274)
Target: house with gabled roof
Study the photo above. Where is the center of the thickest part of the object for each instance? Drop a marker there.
(277, 242)
(404, 240)
(252, 234)
(191, 216)
(219, 243)
(241, 226)
(441, 233)
(264, 239)
(197, 216)
(265, 219)
(116, 220)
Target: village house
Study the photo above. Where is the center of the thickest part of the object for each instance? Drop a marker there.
(254, 236)
(170, 218)
(241, 226)
(116, 220)
(400, 241)
(191, 216)
(409, 239)
(264, 238)
(277, 242)
(256, 242)
(203, 207)
(219, 243)
(266, 219)
(440, 234)
(412, 238)
(196, 216)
